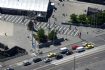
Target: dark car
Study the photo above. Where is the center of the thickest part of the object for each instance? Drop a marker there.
(69, 52)
(37, 60)
(66, 51)
(27, 63)
(59, 56)
(63, 52)
(9, 69)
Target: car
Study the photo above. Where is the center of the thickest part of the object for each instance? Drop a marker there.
(59, 56)
(80, 49)
(27, 63)
(9, 68)
(74, 47)
(69, 52)
(1, 66)
(88, 45)
(51, 55)
(64, 50)
(47, 60)
(37, 60)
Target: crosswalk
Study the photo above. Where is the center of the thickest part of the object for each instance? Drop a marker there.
(15, 19)
(22, 20)
(59, 28)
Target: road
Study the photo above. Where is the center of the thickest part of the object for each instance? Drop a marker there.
(83, 61)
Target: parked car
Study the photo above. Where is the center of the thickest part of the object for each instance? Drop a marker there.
(51, 55)
(47, 60)
(27, 63)
(88, 45)
(59, 56)
(80, 49)
(37, 60)
(69, 52)
(1, 66)
(74, 47)
(64, 50)
(9, 68)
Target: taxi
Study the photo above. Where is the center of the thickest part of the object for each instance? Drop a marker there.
(51, 55)
(89, 45)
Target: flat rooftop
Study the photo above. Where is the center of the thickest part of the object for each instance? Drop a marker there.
(31, 5)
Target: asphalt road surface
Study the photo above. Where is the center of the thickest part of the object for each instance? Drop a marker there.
(80, 62)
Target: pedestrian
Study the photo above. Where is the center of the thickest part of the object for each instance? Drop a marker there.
(52, 16)
(5, 34)
(58, 3)
(27, 36)
(62, 4)
(63, 14)
(23, 19)
(54, 10)
(75, 28)
(55, 19)
(79, 35)
(87, 32)
(4, 19)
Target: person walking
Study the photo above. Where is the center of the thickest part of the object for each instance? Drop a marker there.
(5, 34)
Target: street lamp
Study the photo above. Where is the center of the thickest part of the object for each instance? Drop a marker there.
(33, 40)
(74, 62)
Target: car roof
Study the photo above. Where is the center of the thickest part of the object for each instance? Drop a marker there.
(80, 47)
(64, 48)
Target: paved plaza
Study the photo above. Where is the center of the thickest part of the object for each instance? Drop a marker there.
(6, 28)
(16, 35)
(16, 31)
(70, 7)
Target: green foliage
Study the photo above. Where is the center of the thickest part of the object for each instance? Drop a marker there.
(41, 35)
(74, 18)
(95, 19)
(52, 35)
(100, 18)
(82, 18)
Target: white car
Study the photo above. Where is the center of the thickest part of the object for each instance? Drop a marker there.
(80, 49)
(64, 48)
(1, 66)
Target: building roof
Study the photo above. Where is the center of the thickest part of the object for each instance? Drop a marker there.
(32, 5)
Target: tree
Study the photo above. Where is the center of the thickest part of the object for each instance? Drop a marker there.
(100, 18)
(52, 35)
(30, 25)
(74, 18)
(41, 35)
(103, 16)
(82, 18)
